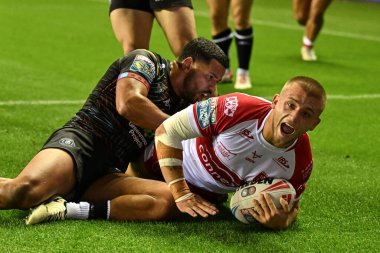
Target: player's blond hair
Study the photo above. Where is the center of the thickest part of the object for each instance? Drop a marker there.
(311, 86)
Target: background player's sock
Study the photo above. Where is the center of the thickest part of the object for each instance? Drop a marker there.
(224, 40)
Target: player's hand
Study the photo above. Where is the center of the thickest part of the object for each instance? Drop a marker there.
(272, 217)
(195, 205)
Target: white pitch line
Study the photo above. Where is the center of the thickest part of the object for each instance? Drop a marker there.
(80, 102)
(299, 28)
(41, 102)
(353, 97)
(343, 34)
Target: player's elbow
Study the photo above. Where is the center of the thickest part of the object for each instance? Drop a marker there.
(160, 130)
(126, 108)
(123, 109)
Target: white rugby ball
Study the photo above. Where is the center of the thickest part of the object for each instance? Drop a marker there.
(242, 199)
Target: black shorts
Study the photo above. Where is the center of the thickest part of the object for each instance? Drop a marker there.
(89, 154)
(148, 5)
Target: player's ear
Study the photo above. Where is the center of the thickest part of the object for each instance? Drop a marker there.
(275, 100)
(315, 123)
(186, 64)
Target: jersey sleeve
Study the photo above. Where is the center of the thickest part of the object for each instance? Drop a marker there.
(141, 65)
(303, 165)
(217, 114)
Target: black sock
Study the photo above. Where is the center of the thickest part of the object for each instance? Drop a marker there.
(224, 40)
(99, 211)
(244, 42)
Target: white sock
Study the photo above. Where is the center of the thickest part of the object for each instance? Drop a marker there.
(244, 72)
(77, 211)
(307, 42)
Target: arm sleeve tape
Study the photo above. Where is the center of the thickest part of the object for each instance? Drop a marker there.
(170, 162)
(177, 129)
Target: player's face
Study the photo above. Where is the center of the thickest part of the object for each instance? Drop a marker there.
(294, 113)
(200, 82)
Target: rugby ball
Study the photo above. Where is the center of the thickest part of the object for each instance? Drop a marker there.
(242, 199)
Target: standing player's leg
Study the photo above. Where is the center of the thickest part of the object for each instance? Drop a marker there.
(301, 10)
(178, 24)
(309, 13)
(221, 33)
(316, 17)
(241, 11)
(51, 172)
(132, 28)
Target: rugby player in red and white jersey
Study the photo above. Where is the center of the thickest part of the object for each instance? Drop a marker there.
(238, 138)
(214, 146)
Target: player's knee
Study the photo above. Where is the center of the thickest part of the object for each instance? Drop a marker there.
(301, 18)
(128, 47)
(241, 23)
(163, 206)
(218, 23)
(215, 18)
(178, 46)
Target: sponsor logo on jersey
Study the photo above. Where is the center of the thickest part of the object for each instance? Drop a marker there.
(67, 142)
(145, 66)
(203, 112)
(137, 136)
(230, 106)
(224, 151)
(253, 157)
(282, 162)
(213, 109)
(216, 170)
(247, 134)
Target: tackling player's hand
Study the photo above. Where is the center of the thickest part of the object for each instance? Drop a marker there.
(272, 217)
(195, 205)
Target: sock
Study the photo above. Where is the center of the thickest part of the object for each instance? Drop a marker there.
(243, 72)
(224, 40)
(87, 211)
(77, 211)
(244, 42)
(307, 42)
(100, 211)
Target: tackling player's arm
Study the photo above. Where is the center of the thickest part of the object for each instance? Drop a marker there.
(132, 103)
(168, 139)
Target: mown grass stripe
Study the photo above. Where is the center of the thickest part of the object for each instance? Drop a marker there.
(75, 102)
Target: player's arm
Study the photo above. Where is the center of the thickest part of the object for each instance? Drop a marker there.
(168, 138)
(272, 217)
(132, 103)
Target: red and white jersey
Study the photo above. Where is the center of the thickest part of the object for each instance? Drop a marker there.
(232, 150)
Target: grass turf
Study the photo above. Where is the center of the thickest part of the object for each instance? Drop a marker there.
(53, 50)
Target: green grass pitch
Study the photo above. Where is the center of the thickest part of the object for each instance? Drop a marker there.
(52, 53)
